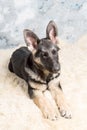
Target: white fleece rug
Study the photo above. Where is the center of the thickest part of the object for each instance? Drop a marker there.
(18, 112)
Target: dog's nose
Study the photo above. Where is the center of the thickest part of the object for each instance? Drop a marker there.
(56, 69)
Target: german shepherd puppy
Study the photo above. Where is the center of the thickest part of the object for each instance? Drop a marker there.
(40, 68)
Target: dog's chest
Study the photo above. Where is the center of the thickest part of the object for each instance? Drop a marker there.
(54, 81)
(35, 81)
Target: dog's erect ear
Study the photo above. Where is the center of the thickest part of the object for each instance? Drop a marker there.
(52, 31)
(30, 38)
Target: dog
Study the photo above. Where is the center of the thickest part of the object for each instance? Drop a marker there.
(40, 68)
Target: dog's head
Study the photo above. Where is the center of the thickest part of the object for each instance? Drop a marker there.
(45, 50)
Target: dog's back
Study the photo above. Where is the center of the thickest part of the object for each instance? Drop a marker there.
(19, 60)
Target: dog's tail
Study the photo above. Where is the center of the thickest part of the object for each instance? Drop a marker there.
(10, 67)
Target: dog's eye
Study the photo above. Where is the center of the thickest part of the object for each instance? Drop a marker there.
(54, 52)
(45, 54)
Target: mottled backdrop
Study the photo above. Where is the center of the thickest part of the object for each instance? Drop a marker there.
(15, 15)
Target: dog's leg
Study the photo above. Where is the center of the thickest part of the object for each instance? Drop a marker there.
(43, 103)
(60, 100)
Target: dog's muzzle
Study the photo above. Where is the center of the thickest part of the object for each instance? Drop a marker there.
(56, 68)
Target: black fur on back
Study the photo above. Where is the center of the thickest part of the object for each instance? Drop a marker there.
(21, 58)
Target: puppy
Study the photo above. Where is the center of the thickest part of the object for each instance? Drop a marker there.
(40, 68)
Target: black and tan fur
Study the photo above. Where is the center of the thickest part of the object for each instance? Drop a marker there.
(40, 68)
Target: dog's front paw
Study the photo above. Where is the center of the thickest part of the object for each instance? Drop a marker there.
(65, 111)
(50, 113)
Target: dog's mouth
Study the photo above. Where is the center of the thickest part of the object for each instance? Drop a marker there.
(54, 71)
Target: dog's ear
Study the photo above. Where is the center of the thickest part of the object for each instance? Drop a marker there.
(52, 31)
(30, 38)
